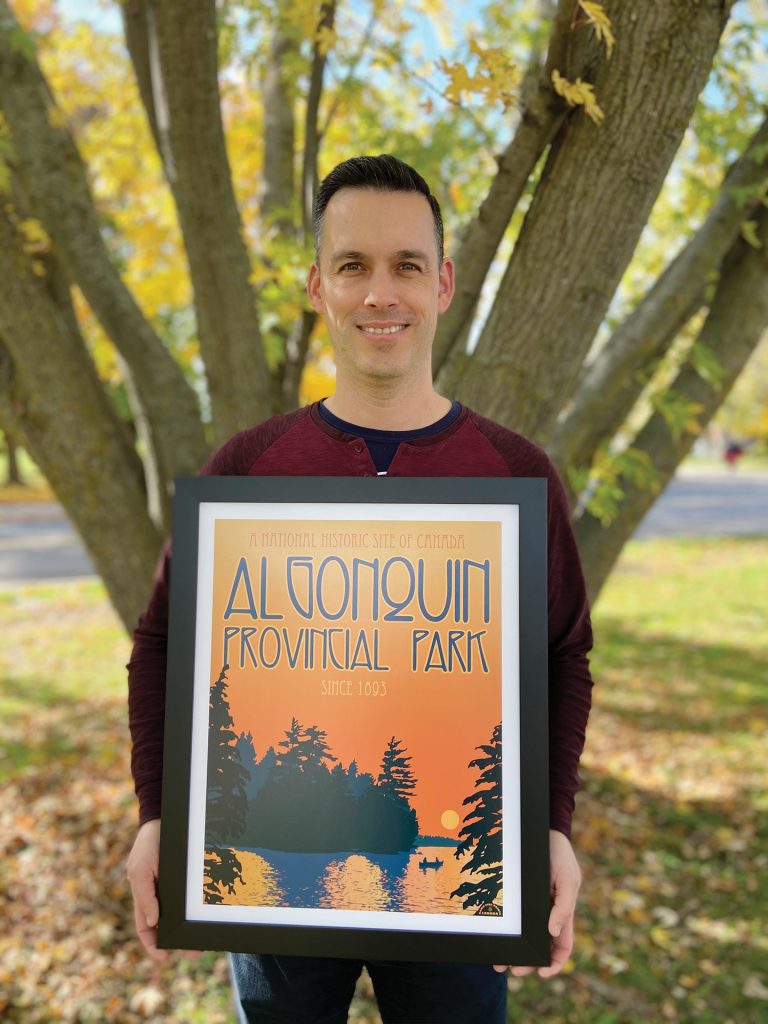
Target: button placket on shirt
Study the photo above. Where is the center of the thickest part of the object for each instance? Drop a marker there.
(361, 451)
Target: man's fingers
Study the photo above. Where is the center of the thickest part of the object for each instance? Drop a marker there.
(148, 939)
(564, 907)
(146, 909)
(561, 950)
(144, 892)
(142, 874)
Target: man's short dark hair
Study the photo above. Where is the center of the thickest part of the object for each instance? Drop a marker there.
(384, 173)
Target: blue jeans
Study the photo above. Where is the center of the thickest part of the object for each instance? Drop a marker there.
(313, 990)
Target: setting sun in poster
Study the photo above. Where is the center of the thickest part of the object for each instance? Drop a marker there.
(449, 819)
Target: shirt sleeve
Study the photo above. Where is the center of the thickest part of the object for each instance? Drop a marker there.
(148, 660)
(570, 641)
(146, 693)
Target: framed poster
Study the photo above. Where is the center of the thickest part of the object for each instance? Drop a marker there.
(356, 722)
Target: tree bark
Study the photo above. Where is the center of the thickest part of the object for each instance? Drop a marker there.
(52, 399)
(278, 191)
(542, 114)
(297, 344)
(312, 133)
(592, 202)
(51, 172)
(737, 319)
(13, 471)
(613, 382)
(187, 116)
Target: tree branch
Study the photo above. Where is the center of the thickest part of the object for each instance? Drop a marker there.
(279, 134)
(542, 115)
(297, 345)
(738, 318)
(187, 111)
(594, 197)
(364, 46)
(51, 172)
(612, 383)
(52, 399)
(312, 134)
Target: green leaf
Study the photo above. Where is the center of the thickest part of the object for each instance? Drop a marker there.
(22, 42)
(706, 363)
(749, 233)
(679, 413)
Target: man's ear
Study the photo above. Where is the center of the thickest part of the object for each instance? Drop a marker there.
(446, 286)
(313, 288)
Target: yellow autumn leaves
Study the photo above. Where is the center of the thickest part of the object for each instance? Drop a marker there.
(495, 78)
(578, 93)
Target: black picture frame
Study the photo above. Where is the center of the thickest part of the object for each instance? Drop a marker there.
(521, 501)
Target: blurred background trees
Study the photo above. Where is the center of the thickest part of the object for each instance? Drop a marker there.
(603, 170)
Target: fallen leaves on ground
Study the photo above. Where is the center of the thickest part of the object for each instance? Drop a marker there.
(670, 825)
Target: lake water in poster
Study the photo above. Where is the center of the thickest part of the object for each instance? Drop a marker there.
(353, 881)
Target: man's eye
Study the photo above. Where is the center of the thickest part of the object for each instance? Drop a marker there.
(409, 266)
(351, 266)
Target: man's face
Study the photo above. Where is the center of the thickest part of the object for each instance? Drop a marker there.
(379, 284)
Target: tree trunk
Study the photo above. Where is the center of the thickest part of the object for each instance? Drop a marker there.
(312, 134)
(55, 183)
(52, 399)
(13, 471)
(297, 344)
(613, 382)
(187, 117)
(542, 115)
(737, 319)
(278, 192)
(593, 200)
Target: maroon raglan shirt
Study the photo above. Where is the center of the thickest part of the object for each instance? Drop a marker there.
(302, 443)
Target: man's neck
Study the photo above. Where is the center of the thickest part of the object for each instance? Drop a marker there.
(403, 411)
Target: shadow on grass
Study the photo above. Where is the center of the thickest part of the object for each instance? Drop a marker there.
(703, 702)
(669, 925)
(36, 692)
(41, 725)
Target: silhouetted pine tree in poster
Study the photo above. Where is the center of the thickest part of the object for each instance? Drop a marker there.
(482, 832)
(396, 777)
(291, 756)
(314, 750)
(358, 782)
(226, 803)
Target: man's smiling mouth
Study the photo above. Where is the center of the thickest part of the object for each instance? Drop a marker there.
(393, 329)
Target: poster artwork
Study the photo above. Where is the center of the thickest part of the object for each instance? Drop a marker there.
(354, 731)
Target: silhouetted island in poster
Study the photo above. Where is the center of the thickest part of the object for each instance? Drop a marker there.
(354, 733)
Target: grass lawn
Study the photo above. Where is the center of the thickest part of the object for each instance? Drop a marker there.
(670, 825)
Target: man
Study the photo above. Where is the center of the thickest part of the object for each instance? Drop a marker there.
(380, 280)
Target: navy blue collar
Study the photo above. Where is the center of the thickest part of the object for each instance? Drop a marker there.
(389, 436)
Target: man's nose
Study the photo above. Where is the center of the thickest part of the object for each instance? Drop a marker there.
(382, 290)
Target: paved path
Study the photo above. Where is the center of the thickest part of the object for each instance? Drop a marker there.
(700, 503)
(38, 543)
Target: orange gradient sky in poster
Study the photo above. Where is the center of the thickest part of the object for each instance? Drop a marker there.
(439, 716)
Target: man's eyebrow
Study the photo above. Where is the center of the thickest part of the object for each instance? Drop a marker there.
(347, 254)
(401, 254)
(412, 254)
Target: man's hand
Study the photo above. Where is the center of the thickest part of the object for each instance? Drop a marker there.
(566, 881)
(143, 864)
